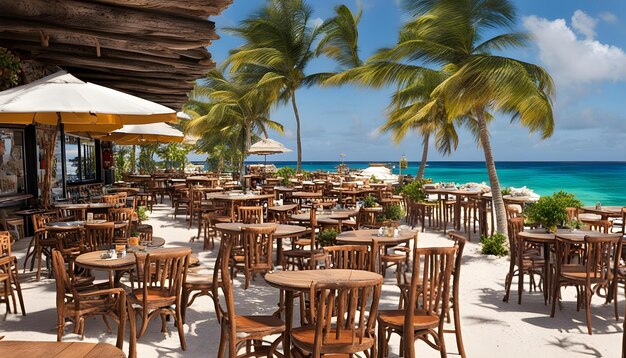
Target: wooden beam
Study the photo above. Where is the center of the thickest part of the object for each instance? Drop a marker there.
(186, 8)
(138, 47)
(108, 19)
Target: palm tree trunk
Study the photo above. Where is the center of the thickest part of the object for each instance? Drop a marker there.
(246, 146)
(295, 111)
(498, 203)
(422, 168)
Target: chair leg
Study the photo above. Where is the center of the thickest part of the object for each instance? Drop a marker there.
(507, 281)
(588, 307)
(520, 283)
(181, 330)
(132, 342)
(222, 346)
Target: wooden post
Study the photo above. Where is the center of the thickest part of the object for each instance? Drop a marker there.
(51, 144)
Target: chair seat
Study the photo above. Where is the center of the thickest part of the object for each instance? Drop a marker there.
(156, 297)
(578, 273)
(302, 254)
(395, 319)
(199, 281)
(392, 257)
(266, 325)
(304, 337)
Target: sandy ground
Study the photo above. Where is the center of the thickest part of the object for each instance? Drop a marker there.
(491, 328)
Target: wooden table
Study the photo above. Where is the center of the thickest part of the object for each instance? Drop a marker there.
(303, 280)
(37, 349)
(604, 211)
(237, 198)
(370, 237)
(281, 212)
(117, 266)
(282, 232)
(91, 207)
(352, 193)
(28, 222)
(545, 238)
(300, 196)
(328, 216)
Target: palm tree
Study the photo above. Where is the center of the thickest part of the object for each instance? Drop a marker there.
(449, 35)
(279, 44)
(227, 111)
(412, 108)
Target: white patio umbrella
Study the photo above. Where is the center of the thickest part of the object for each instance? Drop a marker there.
(80, 106)
(132, 134)
(267, 147)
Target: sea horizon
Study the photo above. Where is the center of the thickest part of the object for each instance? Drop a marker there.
(590, 181)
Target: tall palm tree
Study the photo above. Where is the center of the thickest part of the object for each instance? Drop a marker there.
(279, 44)
(449, 35)
(227, 111)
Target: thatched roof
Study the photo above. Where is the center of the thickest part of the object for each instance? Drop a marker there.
(153, 49)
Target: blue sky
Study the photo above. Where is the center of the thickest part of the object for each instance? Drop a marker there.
(580, 42)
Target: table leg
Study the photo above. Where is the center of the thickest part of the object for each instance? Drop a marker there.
(457, 213)
(547, 273)
(288, 323)
(279, 251)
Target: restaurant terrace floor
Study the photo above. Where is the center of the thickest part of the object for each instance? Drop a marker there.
(490, 326)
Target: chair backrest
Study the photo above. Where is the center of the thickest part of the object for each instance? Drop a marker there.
(110, 199)
(367, 217)
(513, 211)
(62, 280)
(5, 244)
(572, 213)
(165, 270)
(70, 214)
(429, 289)
(602, 256)
(99, 236)
(250, 214)
(354, 257)
(624, 221)
(122, 214)
(346, 310)
(515, 226)
(121, 198)
(258, 243)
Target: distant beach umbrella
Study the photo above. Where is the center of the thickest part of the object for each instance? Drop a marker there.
(268, 147)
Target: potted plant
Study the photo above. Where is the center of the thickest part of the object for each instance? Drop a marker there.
(369, 202)
(142, 213)
(551, 211)
(393, 214)
(414, 190)
(327, 237)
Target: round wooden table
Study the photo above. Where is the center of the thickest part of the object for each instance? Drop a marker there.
(303, 280)
(282, 232)
(325, 214)
(37, 349)
(368, 237)
(604, 211)
(94, 261)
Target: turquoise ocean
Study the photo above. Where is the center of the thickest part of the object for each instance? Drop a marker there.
(589, 181)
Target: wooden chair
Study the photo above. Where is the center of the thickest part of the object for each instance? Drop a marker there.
(428, 297)
(598, 269)
(15, 226)
(111, 199)
(206, 226)
(44, 242)
(9, 274)
(122, 215)
(70, 214)
(163, 273)
(257, 251)
(308, 255)
(99, 236)
(121, 198)
(250, 214)
(353, 257)
(459, 242)
(337, 328)
(239, 330)
(522, 261)
(91, 301)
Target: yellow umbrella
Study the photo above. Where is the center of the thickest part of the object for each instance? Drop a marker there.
(132, 134)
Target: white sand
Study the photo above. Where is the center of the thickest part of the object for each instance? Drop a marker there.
(491, 328)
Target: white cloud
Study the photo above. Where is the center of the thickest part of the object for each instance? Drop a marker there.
(571, 60)
(584, 24)
(608, 17)
(315, 22)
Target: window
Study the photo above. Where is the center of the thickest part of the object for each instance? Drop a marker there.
(11, 161)
(80, 159)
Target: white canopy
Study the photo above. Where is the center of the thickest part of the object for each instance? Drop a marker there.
(144, 133)
(77, 104)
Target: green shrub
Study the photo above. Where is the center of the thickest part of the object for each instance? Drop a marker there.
(494, 245)
(369, 202)
(375, 180)
(142, 213)
(506, 191)
(286, 173)
(327, 237)
(550, 211)
(394, 212)
(414, 190)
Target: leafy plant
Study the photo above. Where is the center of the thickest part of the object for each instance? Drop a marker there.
(286, 173)
(9, 69)
(551, 211)
(494, 245)
(369, 202)
(414, 190)
(506, 191)
(327, 237)
(394, 212)
(142, 213)
(375, 180)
